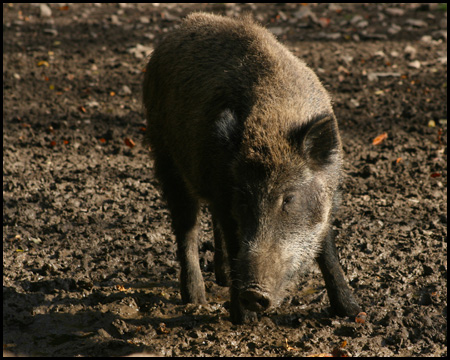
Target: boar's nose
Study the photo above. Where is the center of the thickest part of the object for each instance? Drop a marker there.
(254, 300)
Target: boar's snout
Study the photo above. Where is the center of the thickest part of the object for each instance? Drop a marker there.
(254, 299)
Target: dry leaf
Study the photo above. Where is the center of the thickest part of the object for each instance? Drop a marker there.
(379, 139)
(130, 143)
(361, 317)
(162, 329)
(339, 351)
(122, 288)
(288, 347)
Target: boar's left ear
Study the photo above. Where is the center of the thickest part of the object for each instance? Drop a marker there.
(228, 131)
(317, 140)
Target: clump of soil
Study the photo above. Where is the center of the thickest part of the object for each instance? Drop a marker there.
(89, 259)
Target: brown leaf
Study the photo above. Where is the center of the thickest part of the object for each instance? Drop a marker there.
(361, 317)
(339, 351)
(122, 288)
(130, 143)
(162, 329)
(379, 139)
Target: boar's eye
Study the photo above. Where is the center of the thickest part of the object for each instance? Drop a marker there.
(287, 199)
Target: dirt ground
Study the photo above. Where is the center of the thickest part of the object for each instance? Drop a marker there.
(89, 266)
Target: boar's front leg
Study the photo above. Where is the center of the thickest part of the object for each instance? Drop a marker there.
(184, 209)
(341, 298)
(238, 314)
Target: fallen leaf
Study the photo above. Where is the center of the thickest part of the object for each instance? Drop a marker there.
(379, 139)
(324, 22)
(43, 63)
(130, 143)
(82, 109)
(440, 131)
(435, 175)
(102, 140)
(122, 288)
(320, 355)
(361, 318)
(52, 143)
(398, 160)
(162, 329)
(339, 351)
(288, 347)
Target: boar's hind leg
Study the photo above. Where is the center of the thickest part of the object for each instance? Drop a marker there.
(341, 298)
(184, 209)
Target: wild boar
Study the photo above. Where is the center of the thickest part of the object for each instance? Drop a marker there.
(237, 121)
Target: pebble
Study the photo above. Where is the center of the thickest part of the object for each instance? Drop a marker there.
(426, 39)
(395, 11)
(305, 12)
(53, 32)
(394, 29)
(45, 10)
(125, 90)
(416, 22)
(356, 19)
(373, 76)
(414, 64)
(115, 20)
(140, 51)
(410, 51)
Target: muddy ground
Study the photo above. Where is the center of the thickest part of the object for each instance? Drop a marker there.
(89, 266)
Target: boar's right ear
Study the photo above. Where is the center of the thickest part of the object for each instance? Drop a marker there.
(227, 129)
(317, 140)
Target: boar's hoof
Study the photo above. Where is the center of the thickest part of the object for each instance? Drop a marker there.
(254, 300)
(240, 316)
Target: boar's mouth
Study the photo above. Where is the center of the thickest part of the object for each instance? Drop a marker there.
(265, 294)
(255, 299)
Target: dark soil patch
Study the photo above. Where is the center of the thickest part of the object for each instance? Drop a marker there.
(89, 264)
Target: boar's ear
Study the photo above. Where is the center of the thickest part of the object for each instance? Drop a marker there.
(317, 140)
(227, 129)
